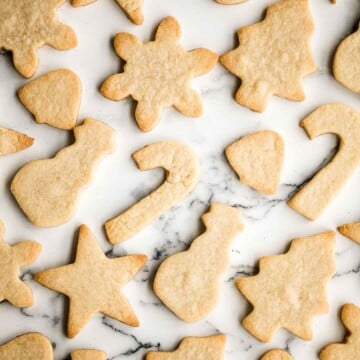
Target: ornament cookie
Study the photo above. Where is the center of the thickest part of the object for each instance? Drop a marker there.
(12, 258)
(93, 283)
(258, 159)
(158, 74)
(273, 55)
(350, 316)
(352, 231)
(53, 98)
(344, 122)
(276, 355)
(181, 175)
(88, 355)
(12, 141)
(132, 8)
(47, 190)
(188, 283)
(28, 25)
(191, 348)
(346, 65)
(30, 346)
(290, 289)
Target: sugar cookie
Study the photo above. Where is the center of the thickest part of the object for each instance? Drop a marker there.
(26, 26)
(290, 289)
(93, 283)
(352, 231)
(53, 98)
(346, 65)
(188, 283)
(88, 355)
(181, 169)
(158, 74)
(132, 8)
(191, 348)
(30, 346)
(344, 122)
(258, 159)
(47, 190)
(350, 316)
(12, 258)
(276, 355)
(273, 55)
(12, 141)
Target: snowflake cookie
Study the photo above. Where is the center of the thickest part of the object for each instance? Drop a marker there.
(27, 25)
(158, 74)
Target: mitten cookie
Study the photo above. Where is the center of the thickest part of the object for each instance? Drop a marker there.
(31, 346)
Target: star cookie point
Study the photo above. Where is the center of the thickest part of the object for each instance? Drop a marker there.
(93, 283)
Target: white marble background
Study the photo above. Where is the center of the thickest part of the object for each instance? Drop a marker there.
(269, 223)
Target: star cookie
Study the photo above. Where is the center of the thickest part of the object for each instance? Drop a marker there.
(132, 8)
(350, 350)
(158, 74)
(290, 289)
(27, 25)
(12, 141)
(273, 55)
(93, 283)
(12, 258)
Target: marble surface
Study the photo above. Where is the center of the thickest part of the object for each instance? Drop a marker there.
(269, 223)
